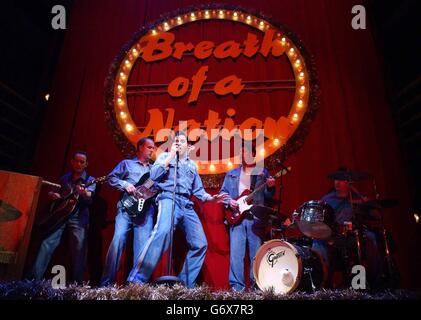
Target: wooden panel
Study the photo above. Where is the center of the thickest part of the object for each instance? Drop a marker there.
(18, 201)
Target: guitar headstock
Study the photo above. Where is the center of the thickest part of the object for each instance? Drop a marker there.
(282, 172)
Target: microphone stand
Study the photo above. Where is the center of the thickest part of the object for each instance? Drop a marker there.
(389, 262)
(169, 279)
(284, 167)
(354, 222)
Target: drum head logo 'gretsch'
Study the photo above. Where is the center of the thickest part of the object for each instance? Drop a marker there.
(273, 257)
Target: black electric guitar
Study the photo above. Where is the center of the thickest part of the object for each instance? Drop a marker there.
(61, 210)
(139, 202)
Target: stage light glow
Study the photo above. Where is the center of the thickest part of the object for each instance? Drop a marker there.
(276, 142)
(416, 217)
(261, 24)
(302, 88)
(179, 20)
(122, 76)
(295, 117)
(300, 104)
(134, 52)
(120, 101)
(129, 127)
(301, 75)
(120, 88)
(123, 115)
(207, 14)
(153, 31)
(291, 51)
(212, 168)
(248, 19)
(47, 97)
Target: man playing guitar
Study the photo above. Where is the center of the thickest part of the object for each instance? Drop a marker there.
(77, 223)
(123, 178)
(248, 228)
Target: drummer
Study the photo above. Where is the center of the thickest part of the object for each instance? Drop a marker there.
(340, 200)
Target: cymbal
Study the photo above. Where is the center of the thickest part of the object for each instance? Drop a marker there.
(380, 203)
(348, 176)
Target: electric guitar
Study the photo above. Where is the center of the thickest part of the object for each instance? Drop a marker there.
(245, 202)
(138, 202)
(61, 209)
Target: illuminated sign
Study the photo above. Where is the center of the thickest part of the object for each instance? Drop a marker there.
(158, 43)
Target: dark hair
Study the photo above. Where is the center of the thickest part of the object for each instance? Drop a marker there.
(141, 142)
(80, 152)
(251, 147)
(179, 134)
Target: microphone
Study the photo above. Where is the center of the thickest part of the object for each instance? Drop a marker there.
(177, 155)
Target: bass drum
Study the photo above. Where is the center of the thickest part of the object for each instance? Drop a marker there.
(286, 267)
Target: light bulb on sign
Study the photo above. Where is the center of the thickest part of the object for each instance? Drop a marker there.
(129, 127)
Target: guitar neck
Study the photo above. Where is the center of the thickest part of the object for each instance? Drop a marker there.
(148, 184)
(278, 174)
(85, 186)
(251, 195)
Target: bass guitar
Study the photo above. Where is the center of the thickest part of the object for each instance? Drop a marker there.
(139, 202)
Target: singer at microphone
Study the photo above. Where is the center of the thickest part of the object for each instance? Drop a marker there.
(177, 184)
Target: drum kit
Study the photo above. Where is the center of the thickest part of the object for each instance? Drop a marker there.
(286, 264)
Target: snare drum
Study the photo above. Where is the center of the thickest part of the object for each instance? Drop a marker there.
(315, 219)
(286, 267)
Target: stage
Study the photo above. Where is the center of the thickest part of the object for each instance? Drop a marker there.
(42, 290)
(285, 134)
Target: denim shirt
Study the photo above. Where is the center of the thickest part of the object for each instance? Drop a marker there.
(127, 171)
(82, 207)
(188, 180)
(341, 207)
(232, 180)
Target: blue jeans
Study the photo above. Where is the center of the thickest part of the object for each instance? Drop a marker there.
(249, 231)
(142, 228)
(184, 217)
(78, 230)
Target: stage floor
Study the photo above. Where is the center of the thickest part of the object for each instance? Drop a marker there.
(42, 290)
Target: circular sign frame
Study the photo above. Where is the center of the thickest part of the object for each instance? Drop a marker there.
(303, 109)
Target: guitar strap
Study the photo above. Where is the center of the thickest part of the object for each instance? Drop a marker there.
(253, 181)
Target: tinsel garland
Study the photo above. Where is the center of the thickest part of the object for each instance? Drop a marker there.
(42, 290)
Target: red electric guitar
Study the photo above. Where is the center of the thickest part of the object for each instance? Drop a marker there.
(245, 202)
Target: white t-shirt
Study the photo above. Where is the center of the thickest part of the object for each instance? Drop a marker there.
(245, 180)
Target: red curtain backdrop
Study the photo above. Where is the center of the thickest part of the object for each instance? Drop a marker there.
(353, 126)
